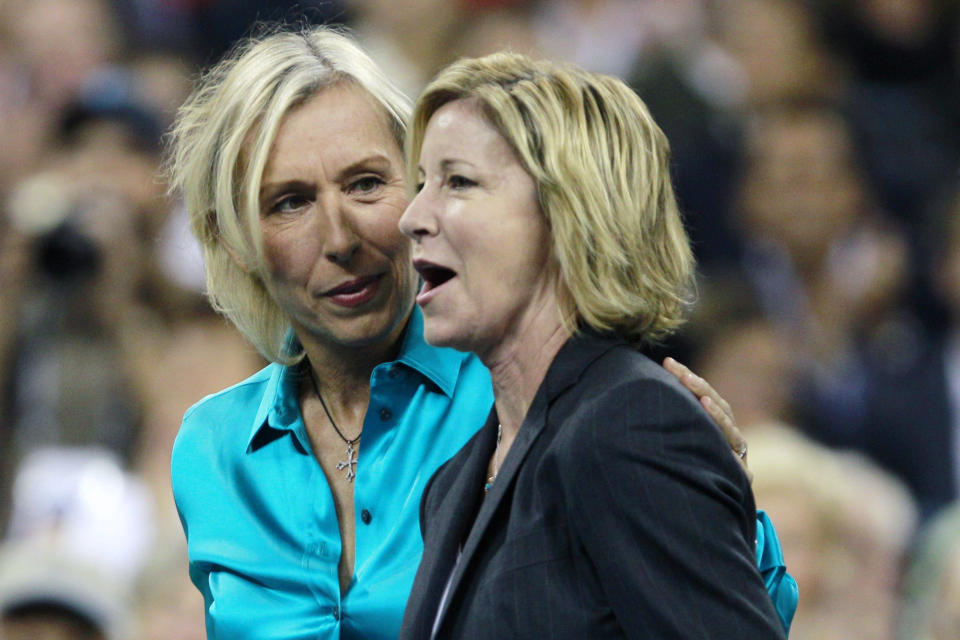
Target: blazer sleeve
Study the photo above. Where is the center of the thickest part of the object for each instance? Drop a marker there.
(665, 516)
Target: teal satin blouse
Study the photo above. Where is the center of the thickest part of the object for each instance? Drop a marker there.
(259, 517)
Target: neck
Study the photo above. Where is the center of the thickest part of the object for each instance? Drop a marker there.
(519, 363)
(342, 371)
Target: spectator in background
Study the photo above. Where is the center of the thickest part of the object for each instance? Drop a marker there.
(59, 44)
(412, 39)
(902, 95)
(825, 265)
(704, 74)
(931, 604)
(102, 320)
(45, 595)
(743, 351)
(204, 30)
(844, 523)
(88, 280)
(902, 98)
(79, 534)
(913, 426)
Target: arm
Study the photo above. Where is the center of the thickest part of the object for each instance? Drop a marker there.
(715, 406)
(665, 517)
(780, 585)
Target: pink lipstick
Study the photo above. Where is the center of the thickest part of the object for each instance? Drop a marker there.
(355, 292)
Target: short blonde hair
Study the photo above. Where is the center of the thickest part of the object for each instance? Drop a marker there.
(601, 166)
(219, 146)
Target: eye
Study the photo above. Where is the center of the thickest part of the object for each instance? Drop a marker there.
(289, 204)
(365, 185)
(459, 182)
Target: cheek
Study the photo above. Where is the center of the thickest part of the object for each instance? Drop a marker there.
(527, 250)
(288, 255)
(388, 241)
(381, 227)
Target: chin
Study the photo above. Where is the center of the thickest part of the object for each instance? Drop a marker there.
(442, 333)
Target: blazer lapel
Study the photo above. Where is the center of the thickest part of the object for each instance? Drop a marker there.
(568, 365)
(453, 523)
(531, 428)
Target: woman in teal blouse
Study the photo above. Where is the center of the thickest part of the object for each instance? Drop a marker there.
(299, 487)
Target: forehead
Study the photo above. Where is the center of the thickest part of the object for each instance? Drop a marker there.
(461, 129)
(341, 123)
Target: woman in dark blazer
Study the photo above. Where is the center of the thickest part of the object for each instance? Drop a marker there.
(599, 500)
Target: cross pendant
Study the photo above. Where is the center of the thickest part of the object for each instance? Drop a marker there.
(350, 464)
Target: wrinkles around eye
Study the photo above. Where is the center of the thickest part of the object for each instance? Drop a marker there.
(460, 182)
(367, 185)
(289, 204)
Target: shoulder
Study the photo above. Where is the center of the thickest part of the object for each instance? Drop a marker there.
(218, 424)
(625, 382)
(217, 414)
(627, 407)
(233, 397)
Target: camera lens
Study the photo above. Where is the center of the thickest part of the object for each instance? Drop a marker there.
(65, 253)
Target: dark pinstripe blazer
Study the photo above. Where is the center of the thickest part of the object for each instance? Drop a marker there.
(618, 512)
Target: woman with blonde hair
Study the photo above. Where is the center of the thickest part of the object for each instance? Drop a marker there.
(298, 488)
(598, 500)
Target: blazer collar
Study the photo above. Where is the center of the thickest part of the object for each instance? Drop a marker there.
(440, 560)
(574, 357)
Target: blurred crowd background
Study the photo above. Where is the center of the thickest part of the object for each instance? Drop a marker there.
(816, 149)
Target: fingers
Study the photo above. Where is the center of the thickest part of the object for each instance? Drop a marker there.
(700, 387)
(716, 407)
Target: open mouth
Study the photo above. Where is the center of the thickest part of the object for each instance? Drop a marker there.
(434, 275)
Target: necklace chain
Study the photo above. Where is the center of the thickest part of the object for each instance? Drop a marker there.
(350, 464)
(316, 389)
(496, 461)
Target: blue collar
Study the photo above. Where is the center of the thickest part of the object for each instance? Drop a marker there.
(279, 408)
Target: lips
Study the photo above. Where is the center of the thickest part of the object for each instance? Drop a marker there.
(355, 292)
(434, 276)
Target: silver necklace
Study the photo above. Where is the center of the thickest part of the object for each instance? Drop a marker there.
(350, 464)
(496, 462)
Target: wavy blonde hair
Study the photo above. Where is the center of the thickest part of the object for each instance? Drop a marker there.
(219, 146)
(602, 170)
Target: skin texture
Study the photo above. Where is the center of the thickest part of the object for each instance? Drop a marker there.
(329, 215)
(477, 215)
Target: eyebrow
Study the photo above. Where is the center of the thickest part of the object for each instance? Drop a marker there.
(272, 189)
(379, 160)
(446, 164)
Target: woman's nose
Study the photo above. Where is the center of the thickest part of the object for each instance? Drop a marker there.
(419, 220)
(341, 240)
